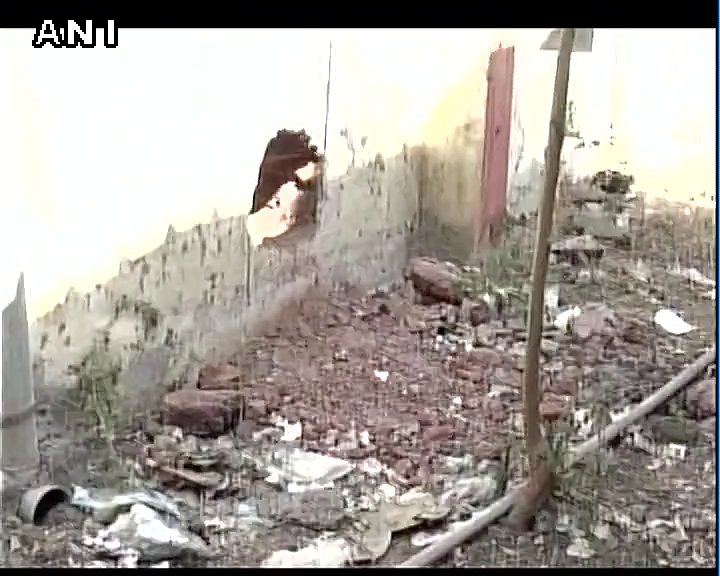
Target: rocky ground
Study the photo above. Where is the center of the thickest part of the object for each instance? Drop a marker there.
(416, 407)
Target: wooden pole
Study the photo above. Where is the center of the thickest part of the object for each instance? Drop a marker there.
(541, 473)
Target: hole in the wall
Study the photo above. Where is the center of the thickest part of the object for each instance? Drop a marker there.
(289, 179)
(44, 339)
(342, 187)
(67, 341)
(359, 233)
(184, 247)
(219, 246)
(338, 213)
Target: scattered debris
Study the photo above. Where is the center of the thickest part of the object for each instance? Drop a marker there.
(317, 509)
(564, 319)
(641, 271)
(305, 430)
(613, 182)
(577, 250)
(601, 530)
(144, 535)
(701, 399)
(672, 323)
(580, 548)
(106, 506)
(299, 471)
(322, 553)
(202, 412)
(382, 375)
(435, 281)
(472, 491)
(291, 432)
(594, 318)
(223, 377)
(693, 275)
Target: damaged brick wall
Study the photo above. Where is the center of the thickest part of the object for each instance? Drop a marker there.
(362, 239)
(208, 286)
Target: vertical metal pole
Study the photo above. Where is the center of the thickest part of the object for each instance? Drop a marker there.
(322, 189)
(327, 98)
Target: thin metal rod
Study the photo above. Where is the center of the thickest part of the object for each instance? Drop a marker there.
(442, 547)
(327, 98)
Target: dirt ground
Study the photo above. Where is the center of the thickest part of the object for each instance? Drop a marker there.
(401, 375)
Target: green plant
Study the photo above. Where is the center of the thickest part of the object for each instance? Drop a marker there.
(97, 392)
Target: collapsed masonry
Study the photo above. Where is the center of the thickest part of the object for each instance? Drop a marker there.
(605, 207)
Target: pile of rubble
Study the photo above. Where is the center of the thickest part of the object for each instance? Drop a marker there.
(605, 207)
(361, 416)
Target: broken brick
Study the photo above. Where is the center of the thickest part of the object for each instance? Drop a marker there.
(202, 412)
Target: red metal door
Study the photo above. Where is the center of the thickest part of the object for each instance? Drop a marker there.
(496, 145)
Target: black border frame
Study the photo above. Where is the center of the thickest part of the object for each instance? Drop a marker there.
(608, 14)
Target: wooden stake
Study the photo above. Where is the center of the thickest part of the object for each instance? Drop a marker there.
(541, 470)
